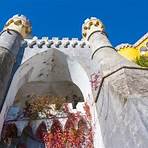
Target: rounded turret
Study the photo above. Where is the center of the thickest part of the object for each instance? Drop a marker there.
(93, 33)
(20, 24)
(103, 53)
(16, 29)
(90, 26)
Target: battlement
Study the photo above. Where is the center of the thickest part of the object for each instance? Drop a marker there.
(122, 46)
(126, 45)
(55, 42)
(141, 40)
(136, 51)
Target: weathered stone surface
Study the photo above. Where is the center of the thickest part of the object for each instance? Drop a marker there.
(6, 64)
(122, 102)
(122, 109)
(11, 41)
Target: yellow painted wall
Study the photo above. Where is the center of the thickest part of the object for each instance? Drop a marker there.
(133, 53)
(142, 44)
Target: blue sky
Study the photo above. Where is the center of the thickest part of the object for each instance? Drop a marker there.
(125, 20)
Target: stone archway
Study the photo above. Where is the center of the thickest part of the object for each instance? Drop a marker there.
(49, 69)
(50, 66)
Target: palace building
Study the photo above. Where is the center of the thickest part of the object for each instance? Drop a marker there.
(71, 93)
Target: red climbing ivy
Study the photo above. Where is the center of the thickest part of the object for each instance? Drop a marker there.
(77, 132)
(87, 111)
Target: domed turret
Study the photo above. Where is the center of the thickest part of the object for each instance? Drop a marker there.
(90, 26)
(20, 24)
(93, 32)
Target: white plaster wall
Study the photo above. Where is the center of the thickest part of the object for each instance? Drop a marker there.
(64, 68)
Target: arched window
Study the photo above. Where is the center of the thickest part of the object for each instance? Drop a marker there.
(82, 126)
(57, 134)
(56, 126)
(27, 134)
(41, 132)
(9, 132)
(70, 131)
(71, 122)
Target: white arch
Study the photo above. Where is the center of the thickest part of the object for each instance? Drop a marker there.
(63, 68)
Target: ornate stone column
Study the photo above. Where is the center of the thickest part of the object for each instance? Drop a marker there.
(15, 30)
